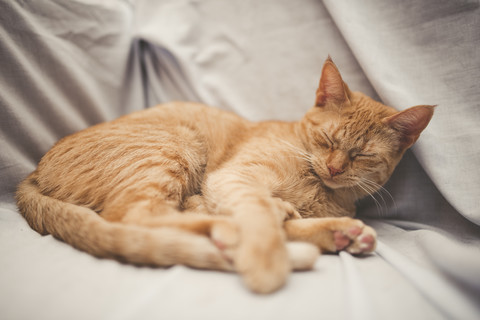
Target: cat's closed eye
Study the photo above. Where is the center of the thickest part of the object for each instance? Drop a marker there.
(358, 154)
(328, 141)
(363, 155)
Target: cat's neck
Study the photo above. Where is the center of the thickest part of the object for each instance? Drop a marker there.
(346, 198)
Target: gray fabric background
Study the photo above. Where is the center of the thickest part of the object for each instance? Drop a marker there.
(65, 65)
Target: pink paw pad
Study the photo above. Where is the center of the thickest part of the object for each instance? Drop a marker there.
(341, 240)
(353, 232)
(367, 242)
(220, 245)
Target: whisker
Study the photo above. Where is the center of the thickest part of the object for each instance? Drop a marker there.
(374, 189)
(300, 158)
(365, 189)
(381, 189)
(354, 190)
(292, 147)
(300, 154)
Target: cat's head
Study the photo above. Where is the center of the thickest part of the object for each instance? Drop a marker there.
(353, 139)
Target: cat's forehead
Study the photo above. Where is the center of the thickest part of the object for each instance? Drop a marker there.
(357, 129)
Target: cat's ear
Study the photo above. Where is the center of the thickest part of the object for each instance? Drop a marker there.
(410, 123)
(331, 89)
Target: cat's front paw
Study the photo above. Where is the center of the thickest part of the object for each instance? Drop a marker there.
(263, 259)
(225, 236)
(263, 263)
(354, 236)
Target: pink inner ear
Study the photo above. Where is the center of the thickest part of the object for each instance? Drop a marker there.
(411, 122)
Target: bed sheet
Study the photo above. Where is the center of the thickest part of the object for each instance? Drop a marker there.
(66, 65)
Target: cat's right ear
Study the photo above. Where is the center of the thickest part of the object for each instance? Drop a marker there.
(332, 91)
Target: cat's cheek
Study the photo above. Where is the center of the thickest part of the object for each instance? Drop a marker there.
(321, 171)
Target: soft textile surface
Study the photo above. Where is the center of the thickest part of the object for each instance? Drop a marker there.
(66, 65)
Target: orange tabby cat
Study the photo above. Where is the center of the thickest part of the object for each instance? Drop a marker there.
(182, 183)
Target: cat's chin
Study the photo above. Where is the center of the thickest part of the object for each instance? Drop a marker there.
(335, 183)
(329, 182)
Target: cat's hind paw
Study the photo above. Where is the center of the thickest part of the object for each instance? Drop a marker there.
(225, 236)
(302, 255)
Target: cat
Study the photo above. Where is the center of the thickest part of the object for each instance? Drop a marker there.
(184, 183)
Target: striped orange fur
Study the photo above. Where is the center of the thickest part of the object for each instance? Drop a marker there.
(183, 183)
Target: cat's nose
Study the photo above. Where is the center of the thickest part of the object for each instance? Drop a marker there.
(334, 171)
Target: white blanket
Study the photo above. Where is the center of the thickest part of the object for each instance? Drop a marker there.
(68, 64)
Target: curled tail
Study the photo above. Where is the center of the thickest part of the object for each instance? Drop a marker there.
(85, 230)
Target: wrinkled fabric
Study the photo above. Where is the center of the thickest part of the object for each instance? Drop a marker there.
(426, 52)
(66, 65)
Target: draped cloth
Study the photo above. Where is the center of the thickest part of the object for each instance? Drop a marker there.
(66, 65)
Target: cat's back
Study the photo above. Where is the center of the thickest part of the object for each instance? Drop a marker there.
(152, 124)
(181, 113)
(121, 148)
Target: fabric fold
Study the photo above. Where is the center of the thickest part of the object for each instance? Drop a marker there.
(426, 53)
(359, 307)
(435, 289)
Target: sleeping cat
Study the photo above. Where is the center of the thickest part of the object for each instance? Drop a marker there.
(183, 183)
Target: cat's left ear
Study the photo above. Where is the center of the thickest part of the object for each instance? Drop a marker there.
(410, 123)
(332, 91)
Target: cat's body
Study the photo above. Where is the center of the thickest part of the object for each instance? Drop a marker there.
(186, 183)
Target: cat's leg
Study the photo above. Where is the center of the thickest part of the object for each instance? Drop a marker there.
(333, 234)
(157, 198)
(291, 212)
(262, 256)
(301, 254)
(212, 236)
(149, 191)
(147, 209)
(148, 205)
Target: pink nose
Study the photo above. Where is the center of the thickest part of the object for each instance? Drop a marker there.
(334, 171)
